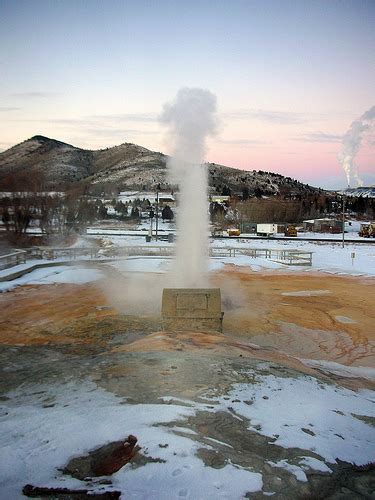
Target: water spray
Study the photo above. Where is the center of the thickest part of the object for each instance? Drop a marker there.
(191, 305)
(190, 119)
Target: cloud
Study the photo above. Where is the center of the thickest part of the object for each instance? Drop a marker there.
(94, 120)
(34, 95)
(319, 137)
(279, 117)
(4, 109)
(243, 142)
(128, 117)
(102, 125)
(98, 129)
(113, 132)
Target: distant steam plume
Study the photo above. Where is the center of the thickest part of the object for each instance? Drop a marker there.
(351, 143)
(190, 118)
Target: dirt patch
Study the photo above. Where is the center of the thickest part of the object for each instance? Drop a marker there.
(279, 310)
(305, 323)
(63, 314)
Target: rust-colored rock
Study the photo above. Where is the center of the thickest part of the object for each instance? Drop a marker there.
(118, 457)
(103, 461)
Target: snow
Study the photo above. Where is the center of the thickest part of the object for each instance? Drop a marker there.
(43, 426)
(20, 267)
(305, 413)
(306, 293)
(341, 370)
(345, 320)
(365, 192)
(143, 264)
(35, 441)
(293, 469)
(327, 256)
(56, 274)
(258, 264)
(141, 195)
(314, 464)
(164, 228)
(304, 463)
(82, 242)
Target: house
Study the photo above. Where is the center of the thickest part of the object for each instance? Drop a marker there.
(219, 199)
(248, 227)
(165, 199)
(323, 225)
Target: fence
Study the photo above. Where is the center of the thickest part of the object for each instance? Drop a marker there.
(287, 257)
(52, 253)
(146, 250)
(12, 259)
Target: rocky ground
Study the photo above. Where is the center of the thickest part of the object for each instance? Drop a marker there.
(251, 419)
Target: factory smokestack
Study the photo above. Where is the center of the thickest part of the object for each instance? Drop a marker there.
(351, 143)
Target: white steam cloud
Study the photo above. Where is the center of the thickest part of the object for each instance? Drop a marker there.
(351, 143)
(191, 119)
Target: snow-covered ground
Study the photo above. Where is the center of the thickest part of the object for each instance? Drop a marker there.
(354, 260)
(37, 437)
(327, 256)
(310, 415)
(49, 275)
(331, 367)
(35, 441)
(323, 420)
(141, 229)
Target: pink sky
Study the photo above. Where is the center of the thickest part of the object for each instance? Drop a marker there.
(290, 77)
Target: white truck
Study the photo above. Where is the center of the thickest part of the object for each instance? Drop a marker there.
(266, 229)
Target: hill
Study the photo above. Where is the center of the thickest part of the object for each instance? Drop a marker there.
(125, 166)
(364, 191)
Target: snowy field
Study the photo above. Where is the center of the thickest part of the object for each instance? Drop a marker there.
(328, 257)
(327, 412)
(85, 416)
(74, 274)
(37, 438)
(43, 425)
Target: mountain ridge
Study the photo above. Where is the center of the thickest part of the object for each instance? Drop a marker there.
(125, 166)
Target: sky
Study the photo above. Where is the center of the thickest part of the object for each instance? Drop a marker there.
(289, 76)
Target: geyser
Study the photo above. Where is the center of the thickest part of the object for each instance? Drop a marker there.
(191, 119)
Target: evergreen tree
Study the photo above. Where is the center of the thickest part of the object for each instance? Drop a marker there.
(167, 213)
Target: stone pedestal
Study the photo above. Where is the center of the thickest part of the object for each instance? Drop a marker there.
(192, 309)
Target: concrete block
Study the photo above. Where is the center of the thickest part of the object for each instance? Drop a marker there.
(192, 309)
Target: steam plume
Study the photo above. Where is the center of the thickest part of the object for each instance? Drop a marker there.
(190, 118)
(351, 143)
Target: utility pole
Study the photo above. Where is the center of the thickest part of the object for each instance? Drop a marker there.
(343, 221)
(157, 214)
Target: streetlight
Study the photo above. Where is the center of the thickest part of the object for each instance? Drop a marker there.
(157, 214)
(343, 221)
